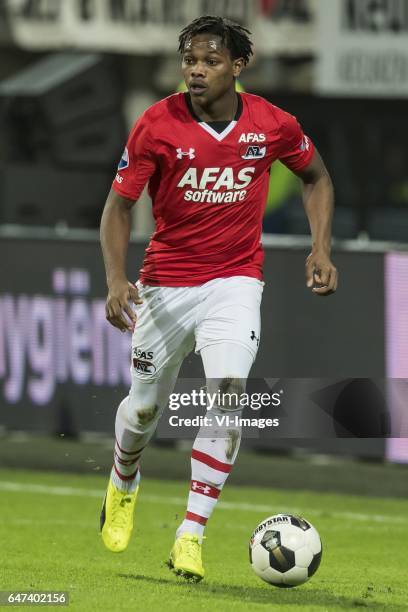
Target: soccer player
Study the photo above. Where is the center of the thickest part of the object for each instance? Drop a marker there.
(205, 155)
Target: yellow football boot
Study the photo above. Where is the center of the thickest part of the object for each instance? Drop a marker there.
(185, 557)
(117, 517)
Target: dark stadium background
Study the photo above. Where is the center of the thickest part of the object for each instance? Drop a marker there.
(64, 115)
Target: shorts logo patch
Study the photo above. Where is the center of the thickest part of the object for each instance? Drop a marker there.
(124, 162)
(142, 360)
(142, 353)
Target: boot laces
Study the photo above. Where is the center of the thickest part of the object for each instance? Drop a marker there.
(120, 510)
(192, 547)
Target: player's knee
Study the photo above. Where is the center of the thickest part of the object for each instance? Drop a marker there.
(143, 405)
(148, 414)
(230, 392)
(232, 384)
(142, 416)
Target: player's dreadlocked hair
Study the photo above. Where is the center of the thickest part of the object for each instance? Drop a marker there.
(234, 36)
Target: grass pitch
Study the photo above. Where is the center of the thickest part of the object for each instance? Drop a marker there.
(50, 541)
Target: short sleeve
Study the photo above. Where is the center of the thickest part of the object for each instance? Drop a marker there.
(296, 150)
(137, 163)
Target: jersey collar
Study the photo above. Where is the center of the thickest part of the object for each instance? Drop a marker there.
(208, 126)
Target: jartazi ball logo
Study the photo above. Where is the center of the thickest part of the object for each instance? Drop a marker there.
(271, 521)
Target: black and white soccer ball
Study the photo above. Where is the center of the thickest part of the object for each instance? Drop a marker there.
(285, 550)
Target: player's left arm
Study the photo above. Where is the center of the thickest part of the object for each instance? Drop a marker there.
(318, 200)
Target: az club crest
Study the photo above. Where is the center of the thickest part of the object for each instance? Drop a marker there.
(254, 152)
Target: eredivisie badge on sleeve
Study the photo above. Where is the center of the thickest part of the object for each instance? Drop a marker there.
(124, 160)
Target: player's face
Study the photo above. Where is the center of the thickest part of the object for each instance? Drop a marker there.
(208, 69)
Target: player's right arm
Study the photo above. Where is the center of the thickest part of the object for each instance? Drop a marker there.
(115, 234)
(135, 168)
(299, 155)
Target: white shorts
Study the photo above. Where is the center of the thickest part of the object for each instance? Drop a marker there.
(172, 320)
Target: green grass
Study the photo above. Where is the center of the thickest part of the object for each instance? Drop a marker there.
(51, 542)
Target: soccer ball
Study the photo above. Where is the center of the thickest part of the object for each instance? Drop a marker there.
(285, 550)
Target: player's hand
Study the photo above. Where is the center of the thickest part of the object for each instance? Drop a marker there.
(121, 292)
(321, 275)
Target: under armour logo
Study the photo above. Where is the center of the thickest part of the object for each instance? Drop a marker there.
(190, 153)
(254, 337)
(198, 487)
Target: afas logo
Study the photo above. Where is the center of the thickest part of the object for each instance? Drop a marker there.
(216, 185)
(218, 178)
(137, 352)
(252, 137)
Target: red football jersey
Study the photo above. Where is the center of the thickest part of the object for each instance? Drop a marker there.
(208, 189)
